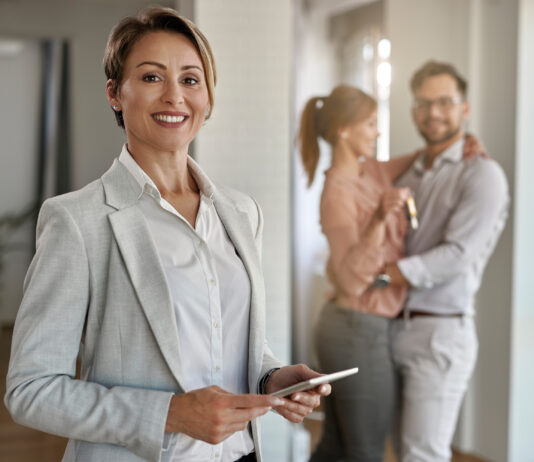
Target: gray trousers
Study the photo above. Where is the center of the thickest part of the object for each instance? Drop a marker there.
(359, 411)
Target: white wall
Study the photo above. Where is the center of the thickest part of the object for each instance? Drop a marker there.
(522, 373)
(315, 75)
(497, 69)
(246, 145)
(479, 37)
(420, 30)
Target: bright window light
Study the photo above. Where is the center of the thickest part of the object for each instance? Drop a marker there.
(384, 48)
(383, 74)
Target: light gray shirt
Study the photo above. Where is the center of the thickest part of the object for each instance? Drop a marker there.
(462, 207)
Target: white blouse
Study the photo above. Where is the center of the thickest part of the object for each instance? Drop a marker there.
(210, 290)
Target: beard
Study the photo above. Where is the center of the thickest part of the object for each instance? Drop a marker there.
(449, 134)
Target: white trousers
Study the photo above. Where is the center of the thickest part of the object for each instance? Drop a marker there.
(434, 358)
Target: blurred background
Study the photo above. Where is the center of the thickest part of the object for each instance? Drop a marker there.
(57, 133)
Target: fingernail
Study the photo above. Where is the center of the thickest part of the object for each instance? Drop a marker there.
(278, 402)
(296, 397)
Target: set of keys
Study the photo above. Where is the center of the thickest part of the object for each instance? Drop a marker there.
(412, 212)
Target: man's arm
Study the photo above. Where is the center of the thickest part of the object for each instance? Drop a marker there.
(472, 229)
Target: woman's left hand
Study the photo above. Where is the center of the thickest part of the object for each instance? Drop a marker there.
(301, 403)
(473, 147)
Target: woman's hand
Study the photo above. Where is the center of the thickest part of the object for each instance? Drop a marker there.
(212, 414)
(473, 147)
(301, 403)
(394, 199)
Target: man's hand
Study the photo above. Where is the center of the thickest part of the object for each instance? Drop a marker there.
(301, 403)
(396, 277)
(212, 414)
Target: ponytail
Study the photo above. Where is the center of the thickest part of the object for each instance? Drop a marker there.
(308, 134)
(344, 106)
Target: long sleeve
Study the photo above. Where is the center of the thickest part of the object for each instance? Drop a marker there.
(470, 233)
(41, 389)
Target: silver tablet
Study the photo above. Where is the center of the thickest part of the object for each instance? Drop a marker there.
(312, 383)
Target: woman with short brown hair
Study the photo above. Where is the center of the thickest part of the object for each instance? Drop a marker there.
(152, 274)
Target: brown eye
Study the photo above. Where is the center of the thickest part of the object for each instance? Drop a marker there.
(190, 81)
(151, 78)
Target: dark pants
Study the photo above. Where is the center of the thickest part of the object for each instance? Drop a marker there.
(358, 413)
(248, 458)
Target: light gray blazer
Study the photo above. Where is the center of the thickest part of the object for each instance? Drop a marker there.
(96, 285)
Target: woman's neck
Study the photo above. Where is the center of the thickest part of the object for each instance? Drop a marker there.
(168, 170)
(344, 158)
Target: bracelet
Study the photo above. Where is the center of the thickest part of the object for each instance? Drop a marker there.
(265, 379)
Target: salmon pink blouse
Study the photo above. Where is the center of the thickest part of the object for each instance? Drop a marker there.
(348, 204)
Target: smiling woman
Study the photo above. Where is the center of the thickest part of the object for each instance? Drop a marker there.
(157, 271)
(163, 97)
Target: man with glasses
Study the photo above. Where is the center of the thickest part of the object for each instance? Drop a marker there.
(462, 206)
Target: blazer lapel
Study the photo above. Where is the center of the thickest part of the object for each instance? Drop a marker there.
(142, 262)
(237, 226)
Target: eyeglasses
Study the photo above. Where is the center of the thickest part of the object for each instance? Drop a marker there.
(444, 104)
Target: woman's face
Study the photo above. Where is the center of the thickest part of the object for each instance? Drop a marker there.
(362, 136)
(163, 95)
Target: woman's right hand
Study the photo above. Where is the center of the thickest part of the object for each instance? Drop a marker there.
(394, 199)
(212, 414)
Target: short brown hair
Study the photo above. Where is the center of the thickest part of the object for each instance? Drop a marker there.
(324, 116)
(433, 68)
(130, 30)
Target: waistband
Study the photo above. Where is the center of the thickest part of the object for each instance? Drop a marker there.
(415, 313)
(333, 311)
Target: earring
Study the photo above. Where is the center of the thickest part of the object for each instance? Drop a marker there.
(115, 107)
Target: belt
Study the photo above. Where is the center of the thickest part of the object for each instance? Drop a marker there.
(248, 458)
(415, 313)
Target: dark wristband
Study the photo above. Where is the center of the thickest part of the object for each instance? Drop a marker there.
(265, 379)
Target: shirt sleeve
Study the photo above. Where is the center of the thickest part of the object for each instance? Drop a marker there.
(472, 229)
(354, 261)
